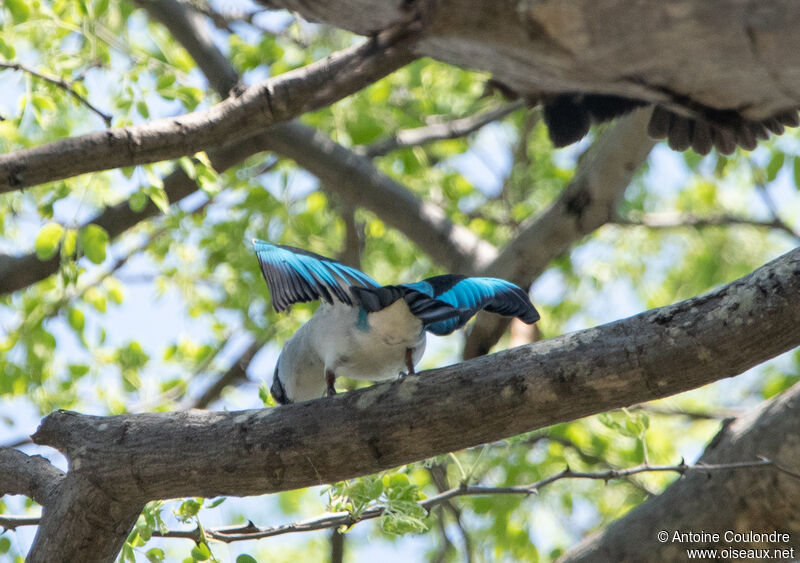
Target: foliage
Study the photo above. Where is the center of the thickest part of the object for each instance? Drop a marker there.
(149, 319)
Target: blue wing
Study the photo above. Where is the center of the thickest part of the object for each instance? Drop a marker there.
(470, 295)
(446, 303)
(294, 275)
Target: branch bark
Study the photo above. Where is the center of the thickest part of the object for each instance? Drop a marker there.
(32, 476)
(722, 54)
(255, 108)
(357, 181)
(18, 272)
(743, 500)
(197, 453)
(429, 226)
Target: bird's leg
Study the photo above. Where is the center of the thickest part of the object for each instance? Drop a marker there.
(409, 363)
(330, 378)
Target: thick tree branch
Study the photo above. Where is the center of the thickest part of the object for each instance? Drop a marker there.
(588, 202)
(32, 476)
(551, 46)
(140, 457)
(356, 180)
(185, 24)
(18, 272)
(255, 108)
(351, 177)
(431, 229)
(741, 500)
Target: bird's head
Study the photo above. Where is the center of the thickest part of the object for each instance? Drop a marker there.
(299, 374)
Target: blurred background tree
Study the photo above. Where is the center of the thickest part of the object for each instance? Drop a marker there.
(136, 290)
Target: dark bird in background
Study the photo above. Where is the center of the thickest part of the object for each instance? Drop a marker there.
(684, 124)
(568, 118)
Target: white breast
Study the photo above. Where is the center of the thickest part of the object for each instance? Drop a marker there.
(371, 347)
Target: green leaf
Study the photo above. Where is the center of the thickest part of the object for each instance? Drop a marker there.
(201, 552)
(774, 166)
(189, 509)
(159, 197)
(94, 240)
(70, 242)
(165, 80)
(155, 555)
(7, 51)
(43, 103)
(96, 299)
(216, 503)
(797, 172)
(19, 10)
(137, 201)
(76, 319)
(128, 554)
(246, 558)
(5, 545)
(47, 240)
(265, 395)
(78, 370)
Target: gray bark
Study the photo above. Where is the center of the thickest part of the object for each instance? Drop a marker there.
(743, 500)
(134, 458)
(724, 54)
(272, 101)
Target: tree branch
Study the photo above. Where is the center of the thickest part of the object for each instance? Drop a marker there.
(32, 476)
(333, 520)
(60, 83)
(742, 501)
(9, 522)
(588, 202)
(236, 372)
(18, 272)
(255, 108)
(135, 458)
(357, 181)
(547, 47)
(680, 220)
(438, 131)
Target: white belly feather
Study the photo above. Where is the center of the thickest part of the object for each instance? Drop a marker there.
(372, 347)
(350, 344)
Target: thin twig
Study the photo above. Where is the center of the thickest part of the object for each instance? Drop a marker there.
(11, 522)
(680, 220)
(439, 131)
(237, 371)
(773, 210)
(719, 414)
(250, 531)
(67, 86)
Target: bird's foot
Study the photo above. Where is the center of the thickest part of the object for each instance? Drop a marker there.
(330, 379)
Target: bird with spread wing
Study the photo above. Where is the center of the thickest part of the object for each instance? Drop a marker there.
(363, 330)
